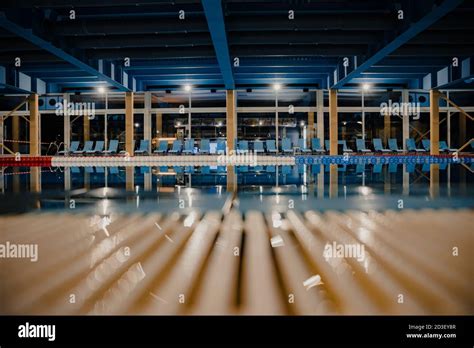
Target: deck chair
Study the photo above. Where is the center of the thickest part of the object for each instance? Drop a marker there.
(205, 146)
(220, 146)
(113, 148)
(205, 170)
(426, 144)
(123, 152)
(444, 147)
(162, 147)
(327, 145)
(99, 147)
(258, 146)
(188, 146)
(316, 145)
(74, 146)
(243, 146)
(393, 146)
(113, 170)
(143, 149)
(286, 146)
(410, 167)
(271, 146)
(177, 147)
(360, 168)
(302, 146)
(411, 146)
(87, 147)
(377, 168)
(392, 167)
(360, 144)
(344, 146)
(378, 145)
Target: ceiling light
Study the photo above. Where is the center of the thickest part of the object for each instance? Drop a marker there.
(365, 86)
(187, 88)
(276, 86)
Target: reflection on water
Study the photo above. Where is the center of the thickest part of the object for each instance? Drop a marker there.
(193, 186)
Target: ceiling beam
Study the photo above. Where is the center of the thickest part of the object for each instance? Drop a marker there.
(215, 21)
(424, 23)
(47, 46)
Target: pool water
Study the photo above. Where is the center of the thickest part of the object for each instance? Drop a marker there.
(303, 186)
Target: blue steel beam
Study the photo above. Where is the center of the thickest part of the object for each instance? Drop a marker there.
(29, 36)
(215, 21)
(425, 22)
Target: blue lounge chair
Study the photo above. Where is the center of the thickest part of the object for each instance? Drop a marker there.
(392, 167)
(410, 167)
(189, 146)
(113, 148)
(344, 146)
(393, 146)
(327, 144)
(286, 146)
(411, 147)
(378, 145)
(99, 147)
(177, 147)
(426, 168)
(258, 146)
(205, 170)
(302, 146)
(162, 147)
(205, 146)
(360, 168)
(87, 147)
(113, 170)
(360, 144)
(285, 170)
(316, 145)
(377, 168)
(74, 146)
(271, 146)
(242, 146)
(426, 144)
(123, 152)
(444, 147)
(220, 147)
(143, 149)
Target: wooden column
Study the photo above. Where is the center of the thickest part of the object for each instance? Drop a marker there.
(159, 126)
(333, 181)
(86, 126)
(333, 135)
(434, 180)
(231, 179)
(147, 120)
(231, 119)
(310, 133)
(130, 178)
(35, 179)
(34, 126)
(16, 133)
(434, 122)
(320, 115)
(386, 128)
(129, 124)
(405, 120)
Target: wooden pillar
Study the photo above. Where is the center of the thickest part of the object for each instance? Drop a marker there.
(86, 126)
(34, 126)
(434, 180)
(147, 120)
(320, 115)
(129, 124)
(16, 133)
(405, 120)
(310, 134)
(35, 179)
(231, 179)
(333, 180)
(333, 129)
(159, 125)
(231, 119)
(129, 178)
(67, 124)
(434, 122)
(386, 127)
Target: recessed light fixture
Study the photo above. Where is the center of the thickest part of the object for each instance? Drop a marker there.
(365, 86)
(101, 89)
(276, 86)
(187, 88)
